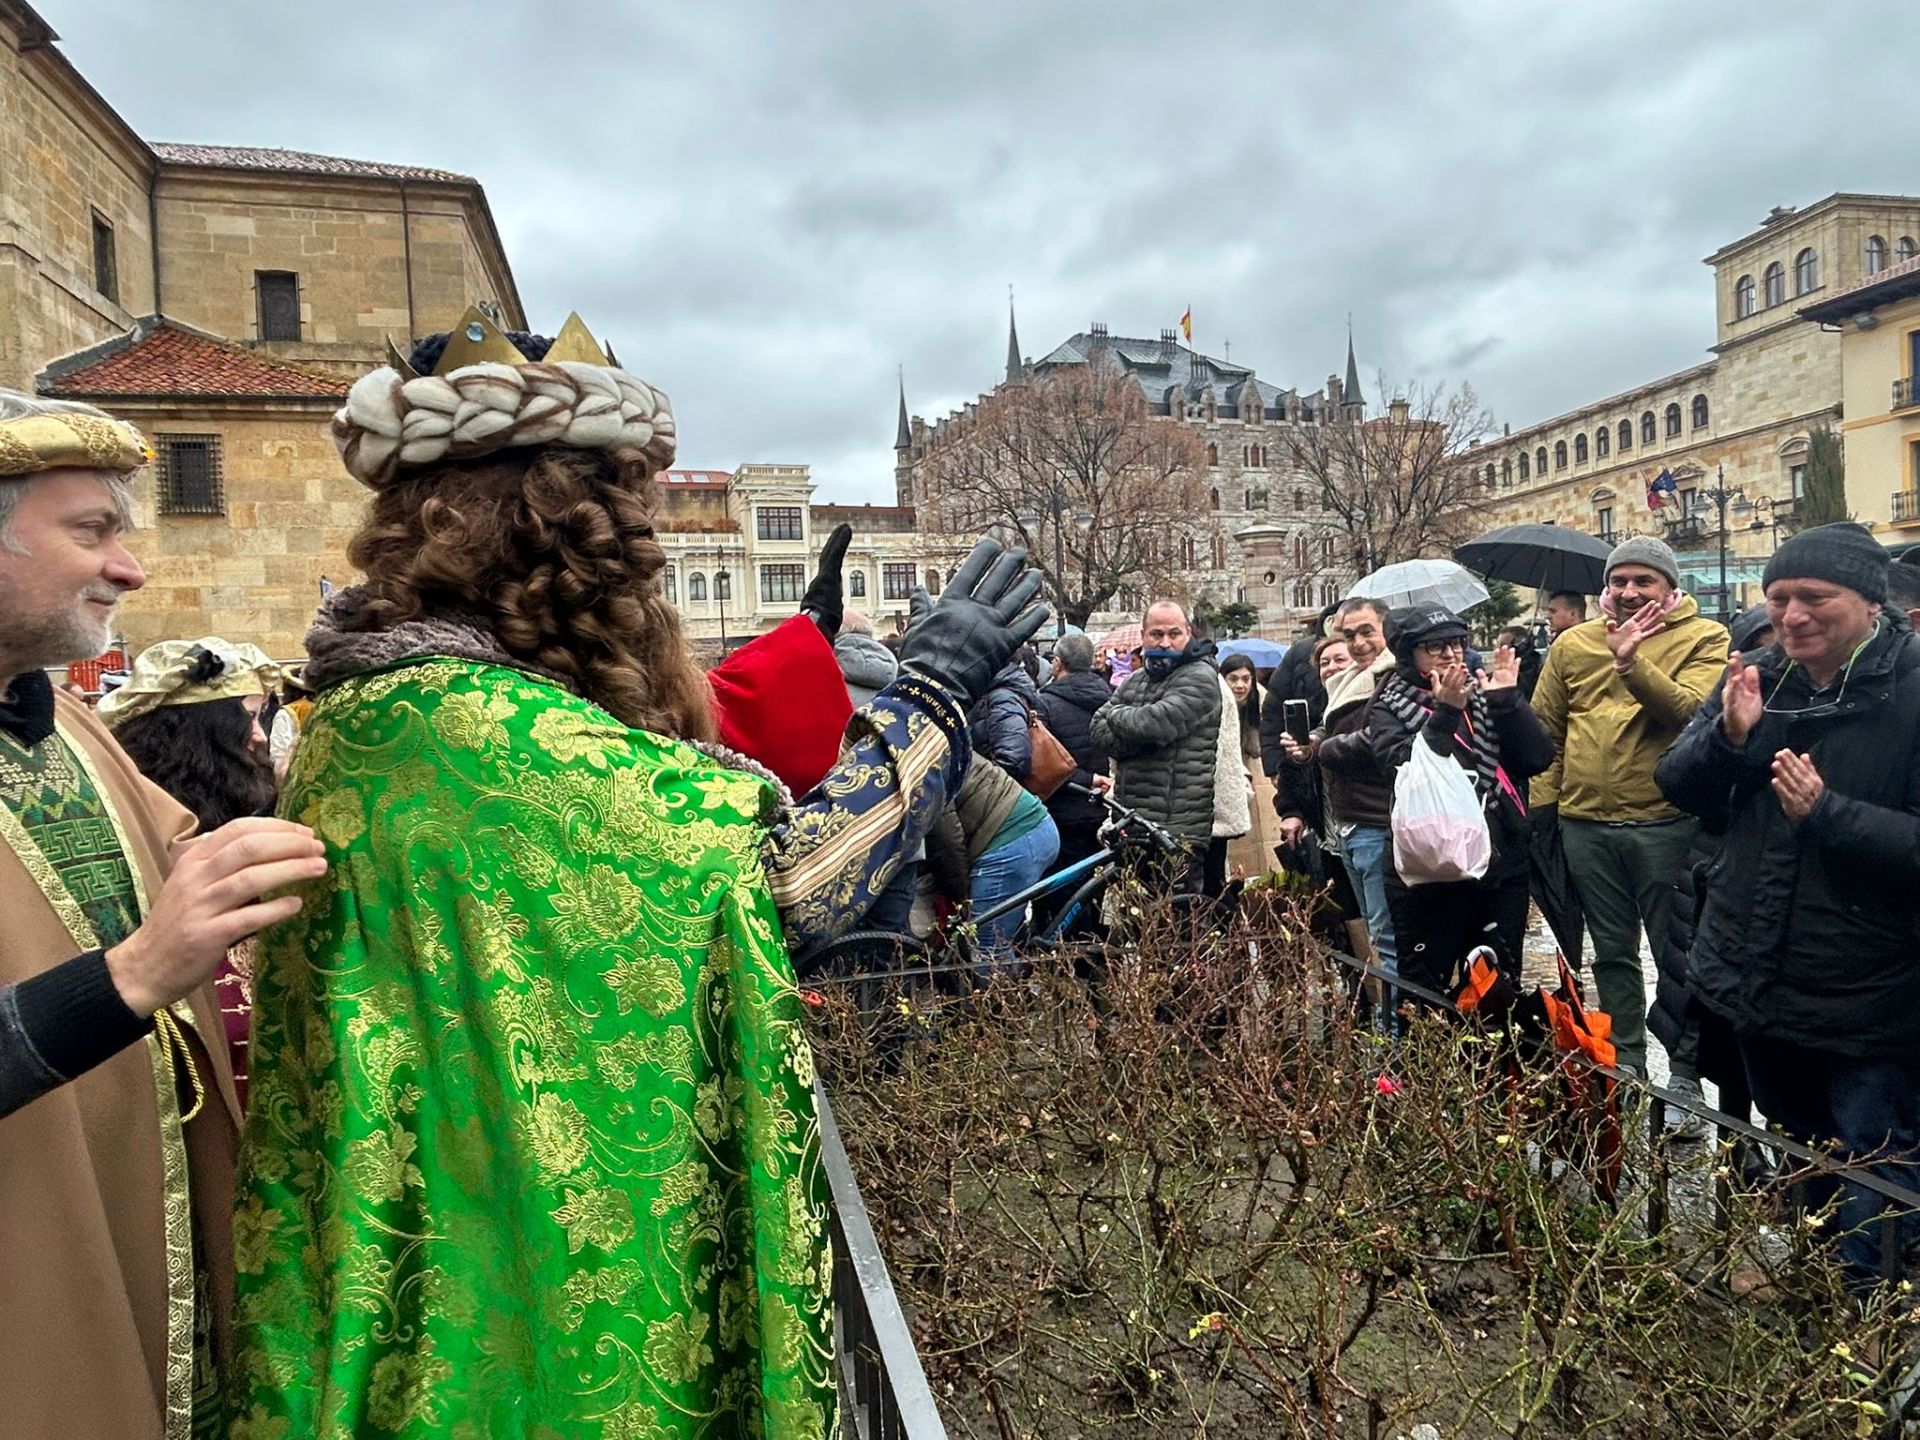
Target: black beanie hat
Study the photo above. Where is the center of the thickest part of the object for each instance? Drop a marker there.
(1842, 553)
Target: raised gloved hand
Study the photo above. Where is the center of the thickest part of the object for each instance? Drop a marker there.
(825, 603)
(984, 615)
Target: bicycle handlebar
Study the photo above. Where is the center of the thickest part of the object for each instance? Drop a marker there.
(1158, 835)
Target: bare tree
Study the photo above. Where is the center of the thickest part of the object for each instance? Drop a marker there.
(1403, 484)
(1073, 464)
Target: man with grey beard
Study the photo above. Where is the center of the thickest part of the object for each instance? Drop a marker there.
(120, 1120)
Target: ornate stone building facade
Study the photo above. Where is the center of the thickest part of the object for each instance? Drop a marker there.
(1774, 375)
(1267, 539)
(742, 547)
(221, 298)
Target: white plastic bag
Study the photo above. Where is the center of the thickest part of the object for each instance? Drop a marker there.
(1439, 828)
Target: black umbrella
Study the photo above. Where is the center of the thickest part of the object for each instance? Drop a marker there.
(1554, 889)
(1545, 557)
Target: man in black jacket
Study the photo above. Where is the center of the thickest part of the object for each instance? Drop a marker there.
(1067, 704)
(1810, 754)
(1163, 728)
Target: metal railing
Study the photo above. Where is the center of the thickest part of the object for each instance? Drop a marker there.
(1905, 506)
(1660, 1100)
(1906, 392)
(883, 1390)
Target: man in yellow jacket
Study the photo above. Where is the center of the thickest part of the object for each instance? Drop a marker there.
(1614, 694)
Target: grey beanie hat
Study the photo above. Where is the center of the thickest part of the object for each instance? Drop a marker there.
(1842, 553)
(1647, 551)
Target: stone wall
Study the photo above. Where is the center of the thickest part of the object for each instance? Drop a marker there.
(64, 158)
(254, 572)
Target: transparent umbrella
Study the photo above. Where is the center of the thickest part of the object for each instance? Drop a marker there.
(1423, 582)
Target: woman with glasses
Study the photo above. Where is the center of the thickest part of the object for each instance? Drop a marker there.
(1482, 724)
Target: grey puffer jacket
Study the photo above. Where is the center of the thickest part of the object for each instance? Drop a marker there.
(1163, 736)
(867, 666)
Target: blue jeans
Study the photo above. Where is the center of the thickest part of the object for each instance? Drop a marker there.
(1368, 854)
(1869, 1109)
(1003, 873)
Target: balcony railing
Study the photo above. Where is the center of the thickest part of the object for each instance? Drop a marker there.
(1906, 393)
(1689, 529)
(883, 1390)
(1905, 507)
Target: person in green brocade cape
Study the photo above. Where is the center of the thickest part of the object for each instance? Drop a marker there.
(531, 1147)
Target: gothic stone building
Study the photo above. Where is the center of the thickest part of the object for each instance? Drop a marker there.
(222, 299)
(1268, 540)
(1774, 374)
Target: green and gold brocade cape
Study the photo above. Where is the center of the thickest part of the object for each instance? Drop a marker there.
(531, 1146)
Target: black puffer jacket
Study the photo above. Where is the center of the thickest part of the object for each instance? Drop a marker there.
(1164, 734)
(1810, 931)
(999, 720)
(1522, 743)
(1068, 705)
(1294, 678)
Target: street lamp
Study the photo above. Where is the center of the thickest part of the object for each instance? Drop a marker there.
(1720, 493)
(1029, 519)
(721, 584)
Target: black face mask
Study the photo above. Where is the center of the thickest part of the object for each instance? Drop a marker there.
(1160, 661)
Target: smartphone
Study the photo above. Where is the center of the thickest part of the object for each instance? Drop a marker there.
(1298, 725)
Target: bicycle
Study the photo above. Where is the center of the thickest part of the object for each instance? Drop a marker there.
(1130, 842)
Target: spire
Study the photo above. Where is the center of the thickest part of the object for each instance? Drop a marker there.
(1015, 368)
(903, 437)
(1350, 394)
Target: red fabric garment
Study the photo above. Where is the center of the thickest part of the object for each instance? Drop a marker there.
(780, 699)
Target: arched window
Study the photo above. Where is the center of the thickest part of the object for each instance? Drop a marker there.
(1626, 435)
(933, 581)
(1329, 591)
(1506, 470)
(1743, 297)
(857, 584)
(1904, 251)
(1490, 475)
(1876, 255)
(1526, 466)
(1259, 457)
(1699, 412)
(722, 585)
(1559, 454)
(1219, 552)
(1647, 432)
(1216, 498)
(1189, 553)
(1776, 284)
(1540, 459)
(1673, 419)
(1213, 453)
(1806, 271)
(1602, 442)
(1299, 552)
(1579, 449)
(696, 586)
(672, 586)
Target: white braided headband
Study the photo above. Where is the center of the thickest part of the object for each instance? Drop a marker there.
(389, 423)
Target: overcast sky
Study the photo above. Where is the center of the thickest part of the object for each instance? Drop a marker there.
(768, 207)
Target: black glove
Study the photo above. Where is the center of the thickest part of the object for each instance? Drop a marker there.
(824, 602)
(984, 615)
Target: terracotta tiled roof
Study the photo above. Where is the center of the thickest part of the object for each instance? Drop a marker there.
(1896, 282)
(300, 162)
(160, 358)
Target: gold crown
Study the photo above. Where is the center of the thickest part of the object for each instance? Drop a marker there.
(478, 340)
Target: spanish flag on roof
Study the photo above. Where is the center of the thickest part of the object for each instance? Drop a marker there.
(1186, 325)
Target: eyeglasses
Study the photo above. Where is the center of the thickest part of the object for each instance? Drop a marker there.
(1443, 646)
(1825, 707)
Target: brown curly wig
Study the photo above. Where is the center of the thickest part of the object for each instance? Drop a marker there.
(554, 549)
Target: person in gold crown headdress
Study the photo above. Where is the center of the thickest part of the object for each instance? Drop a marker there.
(118, 1116)
(531, 1141)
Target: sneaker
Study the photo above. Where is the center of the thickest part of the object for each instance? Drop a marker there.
(1684, 1125)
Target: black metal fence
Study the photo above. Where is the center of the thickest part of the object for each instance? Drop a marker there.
(883, 1390)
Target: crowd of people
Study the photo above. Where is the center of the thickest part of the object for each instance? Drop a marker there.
(327, 990)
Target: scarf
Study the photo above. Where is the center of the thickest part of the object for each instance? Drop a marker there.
(1356, 686)
(1411, 706)
(26, 707)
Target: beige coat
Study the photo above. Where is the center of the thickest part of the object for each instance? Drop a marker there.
(84, 1343)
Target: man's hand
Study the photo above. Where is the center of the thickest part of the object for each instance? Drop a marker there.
(985, 614)
(1103, 784)
(1505, 673)
(1624, 636)
(211, 901)
(1798, 784)
(1292, 828)
(1452, 685)
(1740, 702)
(824, 603)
